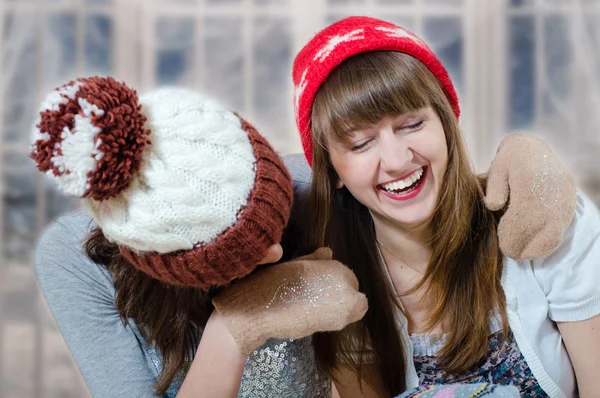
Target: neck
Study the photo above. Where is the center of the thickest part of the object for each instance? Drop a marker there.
(411, 244)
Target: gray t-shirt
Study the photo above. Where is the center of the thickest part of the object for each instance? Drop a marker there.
(114, 358)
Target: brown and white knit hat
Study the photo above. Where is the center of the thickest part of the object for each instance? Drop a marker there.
(192, 194)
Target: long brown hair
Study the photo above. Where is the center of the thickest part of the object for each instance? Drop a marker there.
(464, 272)
(171, 317)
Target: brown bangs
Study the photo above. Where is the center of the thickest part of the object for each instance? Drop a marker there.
(366, 88)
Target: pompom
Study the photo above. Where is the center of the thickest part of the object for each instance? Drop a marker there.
(90, 136)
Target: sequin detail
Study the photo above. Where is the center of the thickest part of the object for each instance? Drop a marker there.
(311, 292)
(280, 368)
(284, 368)
(546, 183)
(503, 364)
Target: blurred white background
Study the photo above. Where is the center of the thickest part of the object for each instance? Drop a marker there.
(520, 65)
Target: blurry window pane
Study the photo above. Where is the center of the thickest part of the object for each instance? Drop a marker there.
(98, 44)
(224, 60)
(521, 58)
(272, 63)
(592, 33)
(175, 50)
(175, 32)
(444, 35)
(60, 48)
(331, 18)
(394, 2)
(444, 2)
(57, 203)
(519, 3)
(20, 63)
(19, 179)
(173, 66)
(558, 52)
(342, 2)
(405, 21)
(558, 60)
(277, 2)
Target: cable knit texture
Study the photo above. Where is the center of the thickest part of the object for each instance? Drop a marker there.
(198, 205)
(194, 180)
(236, 252)
(342, 40)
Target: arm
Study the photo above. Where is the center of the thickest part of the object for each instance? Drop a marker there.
(218, 366)
(582, 340)
(109, 355)
(570, 278)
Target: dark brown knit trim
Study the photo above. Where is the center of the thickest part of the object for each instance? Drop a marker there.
(236, 252)
(122, 134)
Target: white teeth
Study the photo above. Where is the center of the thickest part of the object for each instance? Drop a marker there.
(407, 182)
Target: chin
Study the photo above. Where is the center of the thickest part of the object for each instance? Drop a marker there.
(415, 216)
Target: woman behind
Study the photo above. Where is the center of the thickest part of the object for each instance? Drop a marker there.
(185, 197)
(394, 195)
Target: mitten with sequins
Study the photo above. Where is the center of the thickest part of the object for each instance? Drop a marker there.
(291, 300)
(536, 192)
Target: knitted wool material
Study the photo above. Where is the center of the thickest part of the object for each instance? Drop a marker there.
(190, 192)
(294, 299)
(104, 150)
(235, 252)
(342, 40)
(537, 194)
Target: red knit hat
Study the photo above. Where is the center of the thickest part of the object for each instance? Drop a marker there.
(191, 193)
(342, 40)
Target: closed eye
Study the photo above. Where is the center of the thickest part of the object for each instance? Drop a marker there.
(360, 146)
(413, 126)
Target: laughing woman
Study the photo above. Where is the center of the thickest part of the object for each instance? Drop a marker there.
(393, 194)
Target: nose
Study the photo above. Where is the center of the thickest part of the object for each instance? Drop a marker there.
(394, 153)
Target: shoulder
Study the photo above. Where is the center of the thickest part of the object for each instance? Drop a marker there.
(570, 276)
(60, 258)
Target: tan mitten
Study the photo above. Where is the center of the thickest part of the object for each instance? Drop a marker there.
(537, 192)
(291, 300)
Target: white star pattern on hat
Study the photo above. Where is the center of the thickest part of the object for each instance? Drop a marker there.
(399, 32)
(334, 41)
(300, 89)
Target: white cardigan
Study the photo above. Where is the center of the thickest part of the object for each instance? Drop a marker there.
(563, 286)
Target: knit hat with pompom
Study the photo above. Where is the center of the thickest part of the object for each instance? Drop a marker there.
(192, 194)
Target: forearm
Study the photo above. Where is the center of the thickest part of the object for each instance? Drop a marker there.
(218, 366)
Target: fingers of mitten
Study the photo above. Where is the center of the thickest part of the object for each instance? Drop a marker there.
(352, 311)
